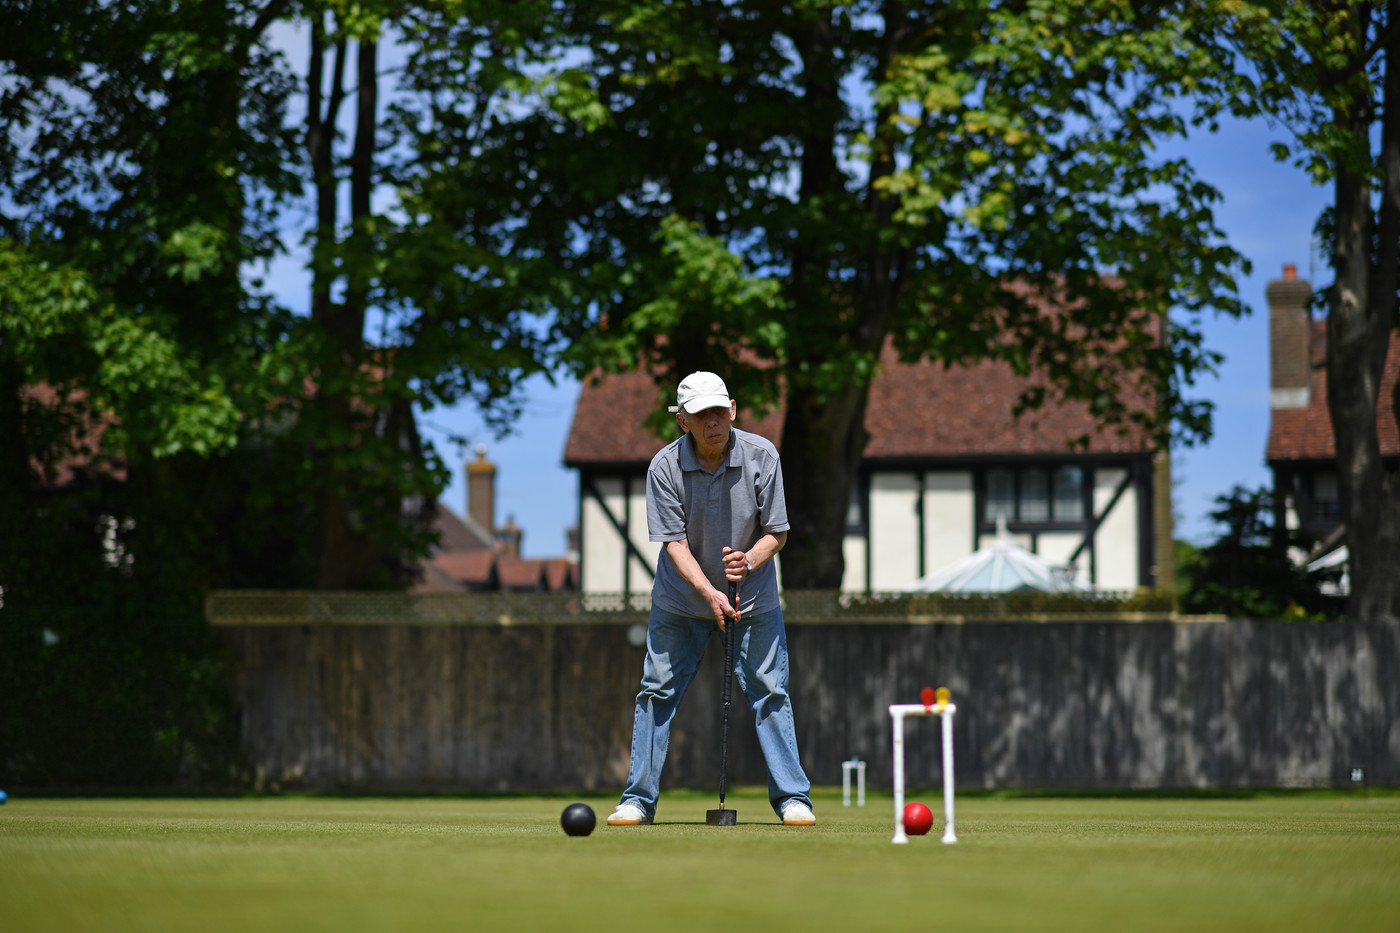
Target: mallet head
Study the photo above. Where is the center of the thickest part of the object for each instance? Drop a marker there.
(721, 817)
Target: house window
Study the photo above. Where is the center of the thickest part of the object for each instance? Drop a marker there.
(1069, 494)
(1327, 500)
(1034, 495)
(1001, 494)
(1034, 498)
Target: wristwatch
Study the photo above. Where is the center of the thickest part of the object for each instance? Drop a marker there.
(748, 566)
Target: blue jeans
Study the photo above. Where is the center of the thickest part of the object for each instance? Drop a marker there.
(675, 646)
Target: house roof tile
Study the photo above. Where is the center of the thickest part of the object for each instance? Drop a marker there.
(517, 573)
(560, 574)
(469, 568)
(916, 411)
(436, 580)
(924, 410)
(459, 533)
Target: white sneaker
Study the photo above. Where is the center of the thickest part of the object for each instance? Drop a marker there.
(798, 814)
(628, 814)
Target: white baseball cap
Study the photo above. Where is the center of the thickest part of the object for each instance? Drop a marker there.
(700, 391)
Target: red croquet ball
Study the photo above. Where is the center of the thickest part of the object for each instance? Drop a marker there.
(918, 819)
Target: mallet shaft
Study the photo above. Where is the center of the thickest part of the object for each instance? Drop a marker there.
(728, 676)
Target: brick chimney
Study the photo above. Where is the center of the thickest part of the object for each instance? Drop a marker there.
(481, 490)
(1290, 340)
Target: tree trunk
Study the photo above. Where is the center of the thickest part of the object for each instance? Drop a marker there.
(1359, 323)
(320, 136)
(824, 434)
(17, 486)
(824, 441)
(345, 553)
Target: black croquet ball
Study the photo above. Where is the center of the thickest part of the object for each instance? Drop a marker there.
(578, 819)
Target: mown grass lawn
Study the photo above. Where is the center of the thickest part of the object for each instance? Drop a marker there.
(1305, 862)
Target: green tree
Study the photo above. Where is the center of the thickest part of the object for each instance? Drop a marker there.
(406, 314)
(149, 150)
(164, 427)
(1329, 72)
(778, 191)
(1246, 572)
(366, 457)
(136, 147)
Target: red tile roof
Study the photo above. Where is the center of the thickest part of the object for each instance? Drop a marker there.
(456, 533)
(609, 421)
(516, 573)
(1306, 433)
(463, 562)
(924, 410)
(916, 410)
(455, 571)
(473, 569)
(437, 580)
(560, 573)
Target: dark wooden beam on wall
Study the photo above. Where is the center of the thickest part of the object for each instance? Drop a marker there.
(620, 525)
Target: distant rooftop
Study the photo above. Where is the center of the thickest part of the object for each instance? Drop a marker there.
(916, 411)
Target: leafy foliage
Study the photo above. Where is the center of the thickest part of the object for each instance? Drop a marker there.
(1329, 73)
(138, 139)
(1246, 572)
(777, 192)
(166, 427)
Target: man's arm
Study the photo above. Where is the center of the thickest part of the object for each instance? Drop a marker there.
(737, 563)
(689, 568)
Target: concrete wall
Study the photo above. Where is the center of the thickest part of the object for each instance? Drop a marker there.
(1082, 704)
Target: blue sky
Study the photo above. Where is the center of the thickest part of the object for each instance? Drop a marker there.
(1267, 213)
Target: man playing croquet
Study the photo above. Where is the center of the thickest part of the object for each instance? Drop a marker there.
(715, 501)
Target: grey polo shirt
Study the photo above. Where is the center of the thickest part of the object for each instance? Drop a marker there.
(733, 507)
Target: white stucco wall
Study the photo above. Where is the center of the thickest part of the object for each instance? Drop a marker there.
(1058, 546)
(853, 577)
(894, 530)
(948, 520)
(950, 513)
(642, 571)
(1293, 520)
(603, 546)
(1116, 544)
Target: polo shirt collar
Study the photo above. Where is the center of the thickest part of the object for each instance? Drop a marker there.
(690, 460)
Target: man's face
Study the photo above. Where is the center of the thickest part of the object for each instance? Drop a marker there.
(709, 428)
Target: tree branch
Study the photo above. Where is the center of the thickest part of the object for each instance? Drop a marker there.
(249, 37)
